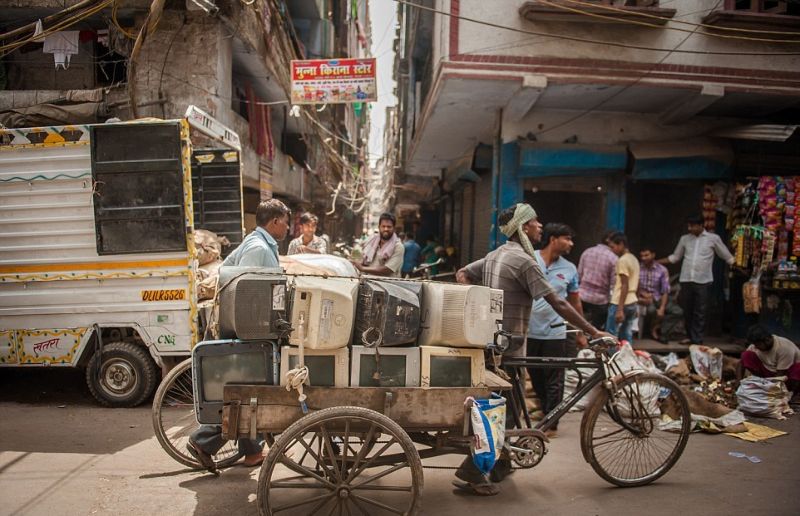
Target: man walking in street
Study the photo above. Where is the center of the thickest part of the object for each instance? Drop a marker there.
(697, 249)
(383, 253)
(410, 254)
(597, 275)
(512, 268)
(308, 241)
(622, 309)
(653, 293)
(547, 335)
(258, 249)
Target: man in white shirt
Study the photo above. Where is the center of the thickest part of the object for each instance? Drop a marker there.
(697, 250)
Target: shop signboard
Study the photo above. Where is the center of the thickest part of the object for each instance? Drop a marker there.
(333, 81)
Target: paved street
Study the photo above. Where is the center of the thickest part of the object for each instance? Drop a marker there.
(61, 454)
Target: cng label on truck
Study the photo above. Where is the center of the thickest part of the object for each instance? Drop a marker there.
(164, 295)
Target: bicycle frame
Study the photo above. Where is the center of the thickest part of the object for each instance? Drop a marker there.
(513, 366)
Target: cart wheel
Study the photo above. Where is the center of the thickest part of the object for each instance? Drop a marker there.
(343, 460)
(174, 419)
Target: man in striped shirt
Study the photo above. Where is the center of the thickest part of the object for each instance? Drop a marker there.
(597, 274)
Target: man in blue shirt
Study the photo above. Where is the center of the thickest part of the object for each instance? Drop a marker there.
(258, 249)
(411, 254)
(544, 340)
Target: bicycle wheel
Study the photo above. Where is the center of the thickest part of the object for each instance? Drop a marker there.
(623, 435)
(174, 419)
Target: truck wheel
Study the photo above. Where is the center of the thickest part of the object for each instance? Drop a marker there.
(126, 376)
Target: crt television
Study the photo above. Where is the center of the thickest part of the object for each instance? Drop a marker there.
(252, 303)
(388, 312)
(384, 367)
(451, 367)
(325, 308)
(326, 367)
(216, 363)
(462, 316)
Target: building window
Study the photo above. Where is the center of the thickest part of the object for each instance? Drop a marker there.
(596, 11)
(780, 7)
(757, 14)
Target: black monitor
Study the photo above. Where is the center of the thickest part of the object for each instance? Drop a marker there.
(388, 312)
(217, 363)
(252, 303)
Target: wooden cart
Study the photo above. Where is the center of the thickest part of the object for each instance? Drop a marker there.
(358, 450)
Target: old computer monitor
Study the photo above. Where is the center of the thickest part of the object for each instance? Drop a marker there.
(384, 367)
(451, 367)
(462, 316)
(217, 363)
(325, 307)
(388, 313)
(326, 367)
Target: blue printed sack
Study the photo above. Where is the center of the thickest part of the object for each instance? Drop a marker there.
(488, 417)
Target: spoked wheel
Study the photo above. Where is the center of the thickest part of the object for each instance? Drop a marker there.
(174, 418)
(344, 461)
(623, 435)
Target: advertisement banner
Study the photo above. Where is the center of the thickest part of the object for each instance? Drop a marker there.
(333, 81)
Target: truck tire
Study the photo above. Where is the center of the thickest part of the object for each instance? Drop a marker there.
(127, 375)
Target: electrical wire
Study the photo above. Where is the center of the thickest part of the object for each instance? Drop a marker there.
(656, 26)
(10, 47)
(589, 40)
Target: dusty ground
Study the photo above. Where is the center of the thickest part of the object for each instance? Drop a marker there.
(61, 454)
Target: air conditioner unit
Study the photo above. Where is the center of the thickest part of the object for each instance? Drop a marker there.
(464, 316)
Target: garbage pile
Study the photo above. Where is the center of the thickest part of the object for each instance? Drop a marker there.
(717, 400)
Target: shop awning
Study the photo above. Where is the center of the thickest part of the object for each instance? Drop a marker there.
(698, 158)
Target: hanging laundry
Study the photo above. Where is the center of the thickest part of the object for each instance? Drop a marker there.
(63, 45)
(37, 31)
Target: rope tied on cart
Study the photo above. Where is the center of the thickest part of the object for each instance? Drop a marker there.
(297, 377)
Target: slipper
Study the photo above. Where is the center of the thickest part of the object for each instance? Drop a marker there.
(253, 462)
(486, 489)
(202, 457)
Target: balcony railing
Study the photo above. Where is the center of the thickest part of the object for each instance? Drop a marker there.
(595, 11)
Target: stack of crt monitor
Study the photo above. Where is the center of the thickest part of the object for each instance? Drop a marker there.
(377, 332)
(426, 334)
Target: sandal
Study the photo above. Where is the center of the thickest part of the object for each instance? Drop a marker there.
(202, 457)
(483, 489)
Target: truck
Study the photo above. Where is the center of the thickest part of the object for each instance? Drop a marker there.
(97, 259)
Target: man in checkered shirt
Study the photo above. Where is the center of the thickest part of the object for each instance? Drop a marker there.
(597, 275)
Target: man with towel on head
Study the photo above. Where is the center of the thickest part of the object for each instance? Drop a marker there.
(383, 253)
(513, 269)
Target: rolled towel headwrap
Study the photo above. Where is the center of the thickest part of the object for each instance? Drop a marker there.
(522, 214)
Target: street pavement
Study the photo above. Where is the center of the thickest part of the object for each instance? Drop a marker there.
(62, 454)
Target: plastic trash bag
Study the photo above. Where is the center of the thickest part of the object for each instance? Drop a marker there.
(571, 380)
(706, 361)
(767, 397)
(488, 417)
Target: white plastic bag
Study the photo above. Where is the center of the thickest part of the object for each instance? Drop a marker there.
(488, 417)
(571, 380)
(766, 397)
(706, 361)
